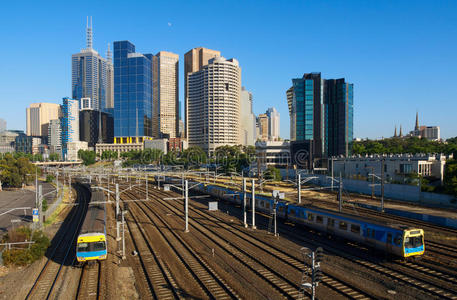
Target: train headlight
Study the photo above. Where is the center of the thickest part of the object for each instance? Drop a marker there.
(102, 256)
(81, 259)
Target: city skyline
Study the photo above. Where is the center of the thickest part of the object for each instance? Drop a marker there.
(368, 55)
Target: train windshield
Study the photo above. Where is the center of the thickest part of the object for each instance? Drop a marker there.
(413, 241)
(94, 246)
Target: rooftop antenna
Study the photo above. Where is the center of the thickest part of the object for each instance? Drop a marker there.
(109, 54)
(89, 33)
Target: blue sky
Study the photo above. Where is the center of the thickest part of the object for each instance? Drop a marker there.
(400, 55)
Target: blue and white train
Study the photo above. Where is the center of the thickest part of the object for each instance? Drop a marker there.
(400, 240)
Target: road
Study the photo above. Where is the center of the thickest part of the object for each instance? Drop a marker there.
(20, 198)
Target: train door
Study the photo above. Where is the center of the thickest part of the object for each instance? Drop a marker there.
(330, 225)
(389, 242)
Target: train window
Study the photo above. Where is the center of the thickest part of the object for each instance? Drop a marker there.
(292, 211)
(262, 203)
(330, 222)
(397, 240)
(368, 232)
(267, 205)
(98, 246)
(389, 238)
(373, 232)
(319, 219)
(343, 225)
(83, 247)
(281, 209)
(302, 214)
(355, 228)
(310, 217)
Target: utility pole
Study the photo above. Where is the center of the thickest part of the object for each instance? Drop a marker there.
(275, 206)
(147, 183)
(340, 194)
(253, 204)
(186, 205)
(40, 204)
(123, 234)
(372, 183)
(36, 185)
(299, 188)
(244, 203)
(332, 174)
(382, 185)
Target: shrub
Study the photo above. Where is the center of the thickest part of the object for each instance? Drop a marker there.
(50, 178)
(26, 255)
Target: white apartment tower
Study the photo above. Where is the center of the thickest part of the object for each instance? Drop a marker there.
(38, 117)
(273, 124)
(165, 103)
(214, 104)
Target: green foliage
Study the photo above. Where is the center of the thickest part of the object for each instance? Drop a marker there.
(54, 157)
(50, 178)
(25, 255)
(38, 157)
(411, 145)
(450, 177)
(14, 170)
(272, 173)
(109, 155)
(87, 156)
(44, 204)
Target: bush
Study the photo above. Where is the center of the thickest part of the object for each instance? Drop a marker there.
(50, 178)
(25, 256)
(44, 204)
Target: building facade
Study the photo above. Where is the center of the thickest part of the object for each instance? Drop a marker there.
(90, 123)
(339, 117)
(55, 136)
(273, 153)
(194, 60)
(132, 94)
(248, 120)
(2, 125)
(7, 141)
(273, 124)
(90, 75)
(69, 123)
(38, 117)
(262, 121)
(213, 105)
(165, 107)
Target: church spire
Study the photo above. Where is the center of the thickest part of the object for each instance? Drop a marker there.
(401, 133)
(417, 121)
(395, 132)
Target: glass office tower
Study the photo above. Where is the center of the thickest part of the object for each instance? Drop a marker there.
(132, 94)
(339, 117)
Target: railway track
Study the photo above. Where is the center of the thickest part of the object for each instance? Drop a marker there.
(401, 275)
(211, 284)
(59, 257)
(263, 249)
(90, 285)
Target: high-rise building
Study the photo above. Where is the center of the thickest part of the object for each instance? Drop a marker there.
(38, 117)
(305, 99)
(321, 114)
(92, 75)
(55, 136)
(248, 120)
(262, 121)
(69, 123)
(2, 125)
(339, 117)
(273, 124)
(213, 105)
(132, 94)
(165, 103)
(91, 126)
(194, 60)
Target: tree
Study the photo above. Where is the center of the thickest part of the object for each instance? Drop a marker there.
(450, 177)
(88, 157)
(54, 157)
(272, 173)
(13, 171)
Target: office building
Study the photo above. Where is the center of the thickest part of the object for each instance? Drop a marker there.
(262, 121)
(7, 141)
(69, 123)
(55, 136)
(38, 117)
(132, 94)
(273, 153)
(273, 124)
(92, 75)
(213, 105)
(24, 143)
(248, 120)
(339, 117)
(306, 103)
(431, 133)
(165, 103)
(2, 125)
(92, 123)
(194, 60)
(73, 148)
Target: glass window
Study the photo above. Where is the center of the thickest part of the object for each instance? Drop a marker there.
(343, 225)
(319, 219)
(355, 228)
(389, 238)
(413, 242)
(83, 247)
(310, 217)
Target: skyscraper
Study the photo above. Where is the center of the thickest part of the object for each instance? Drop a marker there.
(339, 116)
(248, 121)
(132, 94)
(273, 124)
(306, 103)
(213, 105)
(55, 136)
(38, 117)
(92, 75)
(262, 120)
(69, 123)
(194, 60)
(165, 107)
(90, 124)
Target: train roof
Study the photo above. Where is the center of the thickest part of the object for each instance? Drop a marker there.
(357, 218)
(95, 216)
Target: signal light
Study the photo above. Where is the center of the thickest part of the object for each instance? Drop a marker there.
(319, 254)
(317, 274)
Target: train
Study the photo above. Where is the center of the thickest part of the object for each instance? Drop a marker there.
(396, 239)
(91, 244)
